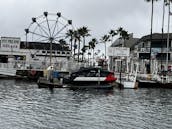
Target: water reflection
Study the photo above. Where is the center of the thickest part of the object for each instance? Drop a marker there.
(23, 105)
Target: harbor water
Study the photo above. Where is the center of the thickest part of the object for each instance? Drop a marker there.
(24, 106)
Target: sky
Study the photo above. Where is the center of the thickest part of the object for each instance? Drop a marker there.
(98, 15)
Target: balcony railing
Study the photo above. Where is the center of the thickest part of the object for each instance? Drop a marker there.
(155, 50)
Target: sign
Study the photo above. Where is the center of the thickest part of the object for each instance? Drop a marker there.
(118, 51)
(10, 43)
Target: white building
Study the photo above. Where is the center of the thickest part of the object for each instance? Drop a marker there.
(20, 54)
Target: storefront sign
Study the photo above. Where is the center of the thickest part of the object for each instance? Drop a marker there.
(118, 51)
(10, 44)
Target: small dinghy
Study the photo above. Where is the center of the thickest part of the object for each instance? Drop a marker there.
(51, 79)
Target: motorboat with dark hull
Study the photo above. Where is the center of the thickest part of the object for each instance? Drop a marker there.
(97, 86)
(95, 78)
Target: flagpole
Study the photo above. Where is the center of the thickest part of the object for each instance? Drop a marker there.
(168, 35)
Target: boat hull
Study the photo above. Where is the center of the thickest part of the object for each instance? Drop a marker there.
(49, 85)
(130, 85)
(153, 84)
(107, 86)
(44, 83)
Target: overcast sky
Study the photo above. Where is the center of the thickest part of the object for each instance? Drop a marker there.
(98, 15)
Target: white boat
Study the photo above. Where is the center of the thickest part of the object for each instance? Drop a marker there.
(128, 81)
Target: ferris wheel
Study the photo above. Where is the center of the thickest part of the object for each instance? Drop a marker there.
(48, 28)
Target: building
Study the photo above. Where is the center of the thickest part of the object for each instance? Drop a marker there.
(115, 61)
(152, 54)
(155, 54)
(21, 54)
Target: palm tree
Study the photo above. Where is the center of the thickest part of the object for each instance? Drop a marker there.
(92, 45)
(84, 50)
(112, 33)
(94, 42)
(62, 43)
(123, 35)
(78, 38)
(162, 35)
(75, 36)
(152, 11)
(70, 35)
(83, 31)
(89, 54)
(105, 39)
(168, 36)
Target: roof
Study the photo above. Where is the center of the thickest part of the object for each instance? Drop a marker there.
(128, 43)
(155, 36)
(43, 46)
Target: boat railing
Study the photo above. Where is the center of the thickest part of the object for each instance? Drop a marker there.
(26, 65)
(162, 78)
(6, 65)
(18, 65)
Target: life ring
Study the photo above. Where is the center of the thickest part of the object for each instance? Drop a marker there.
(33, 72)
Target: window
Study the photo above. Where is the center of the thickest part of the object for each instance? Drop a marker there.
(91, 73)
(43, 51)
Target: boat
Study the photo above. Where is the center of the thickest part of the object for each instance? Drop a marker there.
(45, 83)
(156, 81)
(92, 77)
(51, 79)
(130, 82)
(127, 81)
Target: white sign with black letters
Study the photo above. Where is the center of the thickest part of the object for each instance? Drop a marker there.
(118, 51)
(10, 43)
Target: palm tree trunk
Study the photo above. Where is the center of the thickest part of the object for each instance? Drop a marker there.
(88, 59)
(149, 69)
(168, 35)
(78, 50)
(93, 57)
(71, 44)
(84, 48)
(162, 30)
(74, 50)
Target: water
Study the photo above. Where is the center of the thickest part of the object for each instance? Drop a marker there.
(24, 106)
